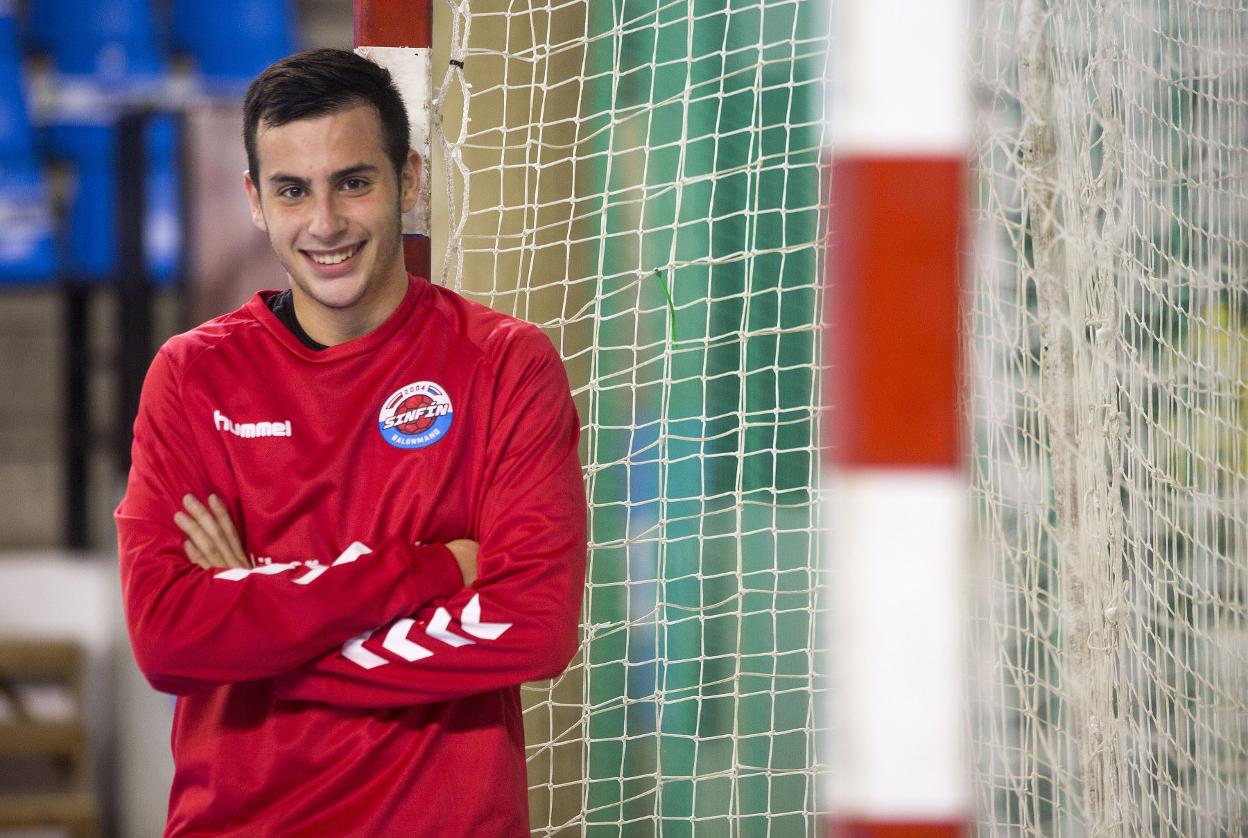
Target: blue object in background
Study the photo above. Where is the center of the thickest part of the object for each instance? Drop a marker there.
(89, 247)
(27, 251)
(26, 231)
(232, 41)
(17, 146)
(110, 43)
(162, 235)
(105, 54)
(39, 24)
(91, 250)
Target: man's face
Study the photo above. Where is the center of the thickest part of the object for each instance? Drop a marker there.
(330, 201)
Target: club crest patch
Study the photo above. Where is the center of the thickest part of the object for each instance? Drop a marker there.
(416, 416)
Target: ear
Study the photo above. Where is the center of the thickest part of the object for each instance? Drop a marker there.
(253, 198)
(409, 180)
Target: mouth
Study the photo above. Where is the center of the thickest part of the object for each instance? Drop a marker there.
(334, 262)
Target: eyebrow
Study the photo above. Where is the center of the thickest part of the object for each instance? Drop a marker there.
(282, 179)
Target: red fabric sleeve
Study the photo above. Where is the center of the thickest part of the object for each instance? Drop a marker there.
(193, 628)
(518, 622)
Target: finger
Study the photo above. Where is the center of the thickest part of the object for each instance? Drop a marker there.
(226, 523)
(208, 523)
(193, 554)
(215, 520)
(205, 546)
(194, 558)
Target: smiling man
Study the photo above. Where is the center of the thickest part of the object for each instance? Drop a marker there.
(355, 521)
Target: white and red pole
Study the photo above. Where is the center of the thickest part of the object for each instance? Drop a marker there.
(398, 35)
(897, 545)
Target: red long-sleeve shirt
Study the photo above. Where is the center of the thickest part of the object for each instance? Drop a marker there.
(349, 685)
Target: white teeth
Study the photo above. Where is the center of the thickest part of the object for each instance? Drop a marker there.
(334, 258)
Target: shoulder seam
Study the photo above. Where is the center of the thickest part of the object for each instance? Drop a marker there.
(505, 323)
(192, 358)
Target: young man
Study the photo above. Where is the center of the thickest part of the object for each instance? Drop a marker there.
(355, 521)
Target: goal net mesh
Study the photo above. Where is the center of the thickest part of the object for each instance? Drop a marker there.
(642, 179)
(1109, 326)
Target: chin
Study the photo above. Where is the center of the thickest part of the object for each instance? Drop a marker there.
(338, 297)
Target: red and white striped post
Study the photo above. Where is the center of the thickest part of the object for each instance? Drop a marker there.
(398, 35)
(897, 544)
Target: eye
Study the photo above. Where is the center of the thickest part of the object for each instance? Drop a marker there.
(354, 184)
(290, 193)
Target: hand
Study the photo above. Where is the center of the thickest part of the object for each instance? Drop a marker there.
(465, 553)
(212, 541)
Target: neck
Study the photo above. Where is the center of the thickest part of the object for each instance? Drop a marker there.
(332, 326)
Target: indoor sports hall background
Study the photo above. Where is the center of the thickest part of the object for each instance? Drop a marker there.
(652, 183)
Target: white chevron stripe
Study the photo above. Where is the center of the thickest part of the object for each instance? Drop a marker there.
(352, 553)
(347, 556)
(313, 573)
(397, 642)
(470, 622)
(438, 631)
(235, 574)
(354, 651)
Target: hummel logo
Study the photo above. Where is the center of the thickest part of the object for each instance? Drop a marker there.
(250, 430)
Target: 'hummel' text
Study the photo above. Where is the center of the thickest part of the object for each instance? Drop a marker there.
(250, 430)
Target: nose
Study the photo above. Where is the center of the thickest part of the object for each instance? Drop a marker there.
(327, 222)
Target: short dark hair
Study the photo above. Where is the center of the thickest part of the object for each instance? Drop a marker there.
(320, 82)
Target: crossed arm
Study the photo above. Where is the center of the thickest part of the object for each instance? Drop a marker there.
(437, 653)
(212, 540)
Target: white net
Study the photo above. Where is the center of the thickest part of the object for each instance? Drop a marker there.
(642, 179)
(1110, 332)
